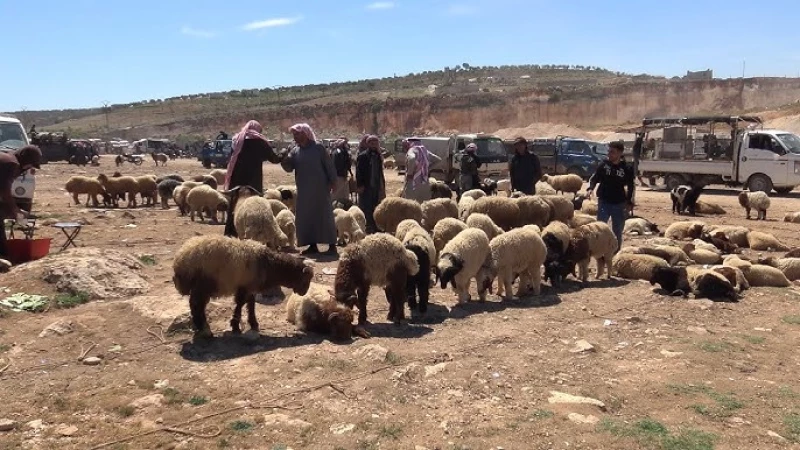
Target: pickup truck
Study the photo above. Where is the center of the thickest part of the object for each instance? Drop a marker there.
(217, 154)
(449, 149)
(759, 159)
(12, 137)
(564, 155)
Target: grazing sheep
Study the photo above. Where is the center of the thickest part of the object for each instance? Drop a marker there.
(405, 227)
(393, 210)
(461, 260)
(473, 194)
(760, 241)
(533, 210)
(219, 175)
(580, 219)
(205, 198)
(286, 223)
(755, 200)
(561, 208)
(519, 251)
(318, 312)
(792, 217)
(361, 219)
(564, 183)
(735, 234)
(556, 236)
(419, 242)
(166, 189)
(636, 266)
(465, 207)
(440, 190)
(709, 208)
(640, 226)
(484, 223)
(378, 260)
(148, 189)
(602, 244)
(253, 219)
(503, 210)
(445, 231)
(684, 230)
(207, 180)
(437, 209)
(85, 185)
(172, 176)
(504, 185)
(704, 283)
(214, 266)
(347, 229)
(542, 188)
(180, 193)
(789, 266)
(120, 186)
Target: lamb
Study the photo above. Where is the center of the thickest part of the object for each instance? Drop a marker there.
(120, 186)
(286, 223)
(519, 251)
(564, 183)
(160, 158)
(205, 198)
(460, 260)
(253, 219)
(465, 207)
(735, 234)
(440, 190)
(219, 175)
(405, 227)
(760, 241)
(207, 180)
(148, 189)
(361, 219)
(214, 266)
(473, 194)
(684, 230)
(560, 207)
(166, 189)
(445, 231)
(636, 266)
(347, 229)
(755, 200)
(85, 185)
(702, 282)
(503, 210)
(437, 209)
(484, 223)
(393, 210)
(789, 266)
(792, 217)
(533, 210)
(180, 193)
(580, 219)
(542, 188)
(602, 246)
(719, 241)
(640, 226)
(419, 242)
(378, 260)
(504, 185)
(318, 312)
(709, 208)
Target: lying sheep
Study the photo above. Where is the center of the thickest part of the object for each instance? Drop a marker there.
(418, 241)
(755, 200)
(719, 241)
(166, 189)
(361, 219)
(761, 275)
(792, 217)
(213, 266)
(708, 208)
(120, 186)
(148, 189)
(789, 266)
(760, 241)
(636, 266)
(437, 209)
(735, 234)
(206, 199)
(671, 254)
(460, 260)
(347, 229)
(640, 226)
(704, 256)
(602, 244)
(542, 188)
(684, 230)
(378, 260)
(700, 244)
(219, 175)
(446, 230)
(519, 251)
(564, 183)
(253, 219)
(318, 312)
(393, 210)
(561, 208)
(286, 222)
(533, 210)
(484, 223)
(502, 210)
(704, 283)
(85, 185)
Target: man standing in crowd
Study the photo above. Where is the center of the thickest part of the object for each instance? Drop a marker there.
(524, 168)
(370, 183)
(12, 165)
(342, 162)
(470, 163)
(615, 194)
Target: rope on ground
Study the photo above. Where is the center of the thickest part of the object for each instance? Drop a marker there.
(85, 352)
(159, 336)
(3, 369)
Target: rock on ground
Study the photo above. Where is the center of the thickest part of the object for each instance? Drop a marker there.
(148, 400)
(7, 424)
(560, 397)
(282, 419)
(372, 352)
(59, 328)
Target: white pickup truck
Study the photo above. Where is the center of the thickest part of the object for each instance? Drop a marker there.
(12, 137)
(759, 159)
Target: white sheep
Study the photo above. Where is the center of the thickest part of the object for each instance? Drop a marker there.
(561, 208)
(117, 187)
(669, 253)
(504, 211)
(393, 210)
(703, 282)
(288, 195)
(205, 198)
(180, 193)
(602, 245)
(755, 200)
(580, 219)
(792, 217)
(760, 241)
(147, 187)
(361, 219)
(789, 266)
(504, 185)
(272, 194)
(277, 206)
(762, 275)
(564, 183)
(446, 230)
(473, 194)
(465, 207)
(684, 230)
(533, 210)
(634, 266)
(437, 209)
(704, 256)
(219, 175)
(590, 207)
(286, 222)
(460, 260)
(318, 312)
(556, 236)
(347, 228)
(543, 188)
(519, 251)
(85, 185)
(640, 226)
(253, 219)
(484, 223)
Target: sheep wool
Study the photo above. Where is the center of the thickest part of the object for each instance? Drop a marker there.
(473, 194)
(533, 210)
(205, 198)
(504, 185)
(253, 219)
(446, 230)
(405, 227)
(418, 241)
(580, 219)
(640, 226)
(519, 251)
(317, 312)
(148, 189)
(755, 200)
(219, 176)
(564, 183)
(602, 244)
(484, 223)
(460, 260)
(120, 186)
(437, 209)
(636, 266)
(560, 232)
(503, 211)
(789, 266)
(761, 275)
(347, 229)
(684, 230)
(361, 219)
(277, 206)
(465, 207)
(709, 208)
(590, 207)
(760, 241)
(286, 222)
(561, 208)
(166, 190)
(543, 188)
(736, 235)
(393, 210)
(85, 185)
(792, 217)
(272, 194)
(705, 256)
(180, 193)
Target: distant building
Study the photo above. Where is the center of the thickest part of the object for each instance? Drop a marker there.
(700, 75)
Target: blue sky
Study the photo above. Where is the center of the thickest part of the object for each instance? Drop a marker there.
(79, 53)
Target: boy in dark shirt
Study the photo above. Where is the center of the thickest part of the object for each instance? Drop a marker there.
(615, 194)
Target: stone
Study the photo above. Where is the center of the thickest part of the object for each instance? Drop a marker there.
(669, 354)
(580, 418)
(419, 447)
(279, 419)
(92, 361)
(59, 328)
(147, 401)
(697, 330)
(342, 428)
(372, 352)
(582, 346)
(561, 397)
(701, 304)
(35, 424)
(435, 369)
(66, 430)
(777, 436)
(7, 424)
(161, 384)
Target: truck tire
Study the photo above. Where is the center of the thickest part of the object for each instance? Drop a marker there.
(783, 190)
(759, 182)
(674, 180)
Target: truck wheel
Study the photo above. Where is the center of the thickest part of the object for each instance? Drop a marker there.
(206, 163)
(759, 182)
(674, 180)
(783, 191)
(138, 162)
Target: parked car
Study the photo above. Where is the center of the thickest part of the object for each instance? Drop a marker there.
(13, 137)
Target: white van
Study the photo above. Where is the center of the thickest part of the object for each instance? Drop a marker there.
(13, 137)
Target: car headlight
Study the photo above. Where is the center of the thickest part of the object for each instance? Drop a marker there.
(797, 167)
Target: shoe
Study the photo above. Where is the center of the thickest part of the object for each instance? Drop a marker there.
(311, 250)
(331, 251)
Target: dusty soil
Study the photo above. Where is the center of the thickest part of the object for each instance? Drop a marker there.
(670, 373)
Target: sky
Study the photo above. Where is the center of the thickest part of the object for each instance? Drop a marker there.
(82, 53)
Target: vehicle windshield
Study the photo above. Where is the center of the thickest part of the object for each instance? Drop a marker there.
(12, 135)
(599, 148)
(490, 147)
(791, 142)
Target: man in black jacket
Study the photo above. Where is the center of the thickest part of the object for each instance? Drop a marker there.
(615, 194)
(470, 164)
(370, 183)
(524, 168)
(342, 162)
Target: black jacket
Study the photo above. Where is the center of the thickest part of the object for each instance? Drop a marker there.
(248, 170)
(613, 179)
(364, 176)
(342, 162)
(470, 163)
(524, 171)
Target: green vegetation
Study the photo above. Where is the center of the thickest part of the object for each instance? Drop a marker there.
(792, 424)
(148, 260)
(542, 414)
(198, 400)
(724, 404)
(716, 347)
(792, 320)
(126, 411)
(241, 426)
(66, 301)
(392, 432)
(757, 340)
(650, 433)
(172, 396)
(393, 358)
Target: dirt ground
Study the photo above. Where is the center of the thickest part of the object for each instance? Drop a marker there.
(667, 373)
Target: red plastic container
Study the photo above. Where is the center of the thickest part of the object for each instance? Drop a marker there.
(26, 250)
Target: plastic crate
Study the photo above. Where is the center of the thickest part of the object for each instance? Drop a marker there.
(26, 250)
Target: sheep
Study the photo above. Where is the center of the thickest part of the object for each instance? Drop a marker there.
(461, 260)
(792, 217)
(488, 186)
(558, 267)
(120, 186)
(564, 183)
(318, 312)
(393, 210)
(735, 234)
(671, 254)
(288, 195)
(503, 210)
(755, 200)
(465, 207)
(388, 164)
(590, 208)
(704, 256)
(253, 219)
(219, 175)
(789, 266)
(446, 230)
(419, 242)
(148, 189)
(556, 236)
(762, 275)
(272, 194)
(347, 229)
(361, 219)
(180, 193)
(542, 188)
(344, 204)
(277, 206)
(484, 223)
(560, 207)
(214, 266)
(205, 198)
(207, 180)
(504, 185)
(171, 176)
(734, 275)
(719, 241)
(602, 246)
(640, 226)
(735, 261)
(709, 208)
(519, 251)
(440, 190)
(378, 260)
(286, 222)
(85, 185)
(533, 210)
(473, 194)
(684, 230)
(405, 227)
(166, 189)
(580, 219)
(702, 282)
(636, 266)
(760, 241)
(437, 209)
(700, 244)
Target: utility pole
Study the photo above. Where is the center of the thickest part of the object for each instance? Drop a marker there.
(744, 62)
